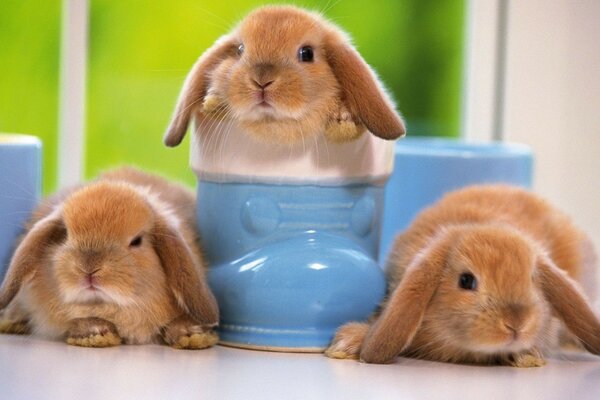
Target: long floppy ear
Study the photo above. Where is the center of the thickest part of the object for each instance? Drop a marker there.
(362, 92)
(190, 290)
(395, 328)
(195, 88)
(569, 304)
(30, 255)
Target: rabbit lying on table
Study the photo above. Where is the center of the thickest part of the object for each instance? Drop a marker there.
(116, 260)
(483, 276)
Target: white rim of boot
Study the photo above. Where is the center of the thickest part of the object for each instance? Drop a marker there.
(225, 153)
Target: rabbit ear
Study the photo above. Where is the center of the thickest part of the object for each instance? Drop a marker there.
(29, 254)
(191, 292)
(364, 95)
(395, 328)
(195, 88)
(569, 304)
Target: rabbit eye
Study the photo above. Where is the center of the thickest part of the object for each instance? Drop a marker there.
(136, 241)
(467, 281)
(240, 49)
(305, 54)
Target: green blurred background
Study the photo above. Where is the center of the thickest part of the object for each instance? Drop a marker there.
(140, 52)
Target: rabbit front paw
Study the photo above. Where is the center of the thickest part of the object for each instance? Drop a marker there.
(184, 333)
(14, 327)
(92, 332)
(196, 341)
(342, 128)
(214, 107)
(347, 341)
(13, 320)
(528, 359)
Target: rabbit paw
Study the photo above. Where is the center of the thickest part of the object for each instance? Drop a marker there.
(347, 341)
(14, 327)
(184, 333)
(213, 106)
(92, 332)
(196, 341)
(528, 359)
(13, 320)
(342, 128)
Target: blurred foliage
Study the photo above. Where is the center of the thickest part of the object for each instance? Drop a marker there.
(140, 52)
(29, 43)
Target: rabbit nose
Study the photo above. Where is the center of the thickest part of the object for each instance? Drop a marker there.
(87, 271)
(91, 278)
(264, 75)
(512, 329)
(516, 318)
(90, 261)
(260, 85)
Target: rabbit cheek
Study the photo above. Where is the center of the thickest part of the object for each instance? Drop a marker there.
(147, 279)
(221, 80)
(134, 278)
(69, 279)
(506, 329)
(290, 96)
(237, 88)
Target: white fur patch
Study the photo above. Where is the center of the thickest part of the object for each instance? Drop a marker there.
(162, 208)
(423, 253)
(100, 295)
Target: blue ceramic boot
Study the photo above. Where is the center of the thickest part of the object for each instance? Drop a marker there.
(291, 236)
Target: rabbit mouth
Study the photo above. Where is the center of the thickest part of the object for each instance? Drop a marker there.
(512, 344)
(265, 107)
(264, 104)
(87, 291)
(517, 344)
(87, 294)
(265, 111)
(91, 283)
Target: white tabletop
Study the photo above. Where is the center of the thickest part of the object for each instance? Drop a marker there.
(37, 369)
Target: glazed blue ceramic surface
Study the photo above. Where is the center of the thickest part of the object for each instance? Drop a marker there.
(20, 187)
(289, 264)
(427, 168)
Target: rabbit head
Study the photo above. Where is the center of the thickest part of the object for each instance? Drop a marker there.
(285, 74)
(107, 253)
(110, 244)
(486, 300)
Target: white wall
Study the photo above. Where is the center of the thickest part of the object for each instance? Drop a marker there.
(552, 100)
(483, 70)
(73, 68)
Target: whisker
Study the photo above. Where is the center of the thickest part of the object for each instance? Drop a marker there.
(327, 151)
(178, 113)
(206, 145)
(226, 25)
(315, 139)
(225, 131)
(216, 132)
(329, 6)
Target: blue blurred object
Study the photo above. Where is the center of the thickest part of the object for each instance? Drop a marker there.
(20, 188)
(427, 168)
(291, 263)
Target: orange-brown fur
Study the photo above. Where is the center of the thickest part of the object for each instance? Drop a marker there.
(85, 233)
(337, 93)
(495, 204)
(526, 256)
